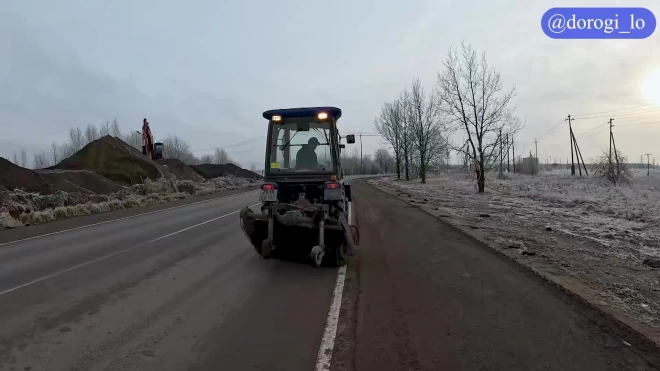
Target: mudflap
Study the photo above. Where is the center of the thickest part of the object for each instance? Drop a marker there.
(256, 230)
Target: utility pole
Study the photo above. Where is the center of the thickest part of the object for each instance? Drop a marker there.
(570, 129)
(508, 155)
(535, 164)
(513, 145)
(501, 153)
(648, 164)
(361, 165)
(610, 156)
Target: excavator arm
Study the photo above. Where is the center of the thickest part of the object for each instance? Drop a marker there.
(153, 150)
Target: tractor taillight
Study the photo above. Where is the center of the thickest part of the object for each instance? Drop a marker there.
(332, 191)
(269, 187)
(332, 185)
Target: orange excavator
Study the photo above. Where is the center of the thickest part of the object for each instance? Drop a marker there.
(155, 150)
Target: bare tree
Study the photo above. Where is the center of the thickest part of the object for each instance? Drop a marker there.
(438, 150)
(134, 139)
(390, 125)
(473, 100)
(114, 129)
(383, 159)
(253, 167)
(206, 159)
(221, 156)
(105, 129)
(76, 140)
(91, 133)
(616, 173)
(55, 153)
(350, 163)
(41, 160)
(189, 159)
(426, 129)
(15, 158)
(175, 147)
(407, 115)
(24, 158)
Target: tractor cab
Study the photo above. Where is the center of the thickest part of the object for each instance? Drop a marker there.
(303, 143)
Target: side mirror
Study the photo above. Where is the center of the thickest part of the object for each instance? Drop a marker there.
(350, 138)
(342, 146)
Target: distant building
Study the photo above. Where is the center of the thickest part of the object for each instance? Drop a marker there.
(529, 166)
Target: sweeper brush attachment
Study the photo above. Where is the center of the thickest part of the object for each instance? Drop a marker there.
(287, 230)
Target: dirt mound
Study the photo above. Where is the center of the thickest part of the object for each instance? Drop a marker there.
(13, 176)
(80, 181)
(114, 159)
(179, 169)
(48, 182)
(210, 171)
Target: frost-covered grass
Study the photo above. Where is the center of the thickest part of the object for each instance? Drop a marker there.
(20, 208)
(601, 234)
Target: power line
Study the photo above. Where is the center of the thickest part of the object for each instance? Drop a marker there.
(594, 130)
(552, 130)
(616, 110)
(641, 123)
(249, 141)
(655, 113)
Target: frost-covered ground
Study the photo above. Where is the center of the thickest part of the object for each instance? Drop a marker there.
(20, 208)
(604, 236)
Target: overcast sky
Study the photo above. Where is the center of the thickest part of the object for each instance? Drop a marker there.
(206, 69)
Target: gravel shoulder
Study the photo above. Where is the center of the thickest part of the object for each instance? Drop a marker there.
(595, 240)
(423, 295)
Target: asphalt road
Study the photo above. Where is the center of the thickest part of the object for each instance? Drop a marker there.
(171, 290)
(422, 296)
(181, 288)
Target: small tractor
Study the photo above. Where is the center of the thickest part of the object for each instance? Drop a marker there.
(154, 150)
(304, 201)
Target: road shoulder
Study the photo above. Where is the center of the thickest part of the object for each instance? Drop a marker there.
(422, 294)
(19, 233)
(570, 286)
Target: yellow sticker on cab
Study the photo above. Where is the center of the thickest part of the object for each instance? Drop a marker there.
(274, 165)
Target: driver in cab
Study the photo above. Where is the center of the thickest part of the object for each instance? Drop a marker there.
(306, 156)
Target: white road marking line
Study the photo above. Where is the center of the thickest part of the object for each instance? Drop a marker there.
(115, 253)
(324, 357)
(124, 218)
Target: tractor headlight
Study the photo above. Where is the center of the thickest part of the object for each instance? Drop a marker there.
(276, 118)
(322, 116)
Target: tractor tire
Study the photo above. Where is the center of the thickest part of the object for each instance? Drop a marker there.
(316, 256)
